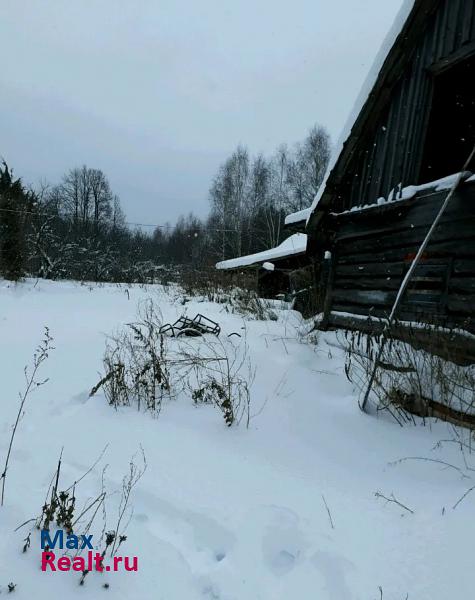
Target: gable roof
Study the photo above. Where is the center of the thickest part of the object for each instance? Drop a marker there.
(388, 66)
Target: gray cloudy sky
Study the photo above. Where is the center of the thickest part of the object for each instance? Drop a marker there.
(158, 92)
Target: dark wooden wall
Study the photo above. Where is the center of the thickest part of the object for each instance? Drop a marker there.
(373, 248)
(272, 283)
(390, 151)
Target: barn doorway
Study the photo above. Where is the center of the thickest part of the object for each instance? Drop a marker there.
(451, 127)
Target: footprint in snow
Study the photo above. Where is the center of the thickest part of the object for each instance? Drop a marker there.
(283, 544)
(211, 592)
(141, 518)
(81, 398)
(333, 569)
(199, 538)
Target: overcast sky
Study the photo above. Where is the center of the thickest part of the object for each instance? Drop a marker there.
(157, 93)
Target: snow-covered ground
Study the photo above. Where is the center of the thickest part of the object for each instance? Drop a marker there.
(228, 513)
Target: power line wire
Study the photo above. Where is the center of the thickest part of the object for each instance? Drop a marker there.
(129, 223)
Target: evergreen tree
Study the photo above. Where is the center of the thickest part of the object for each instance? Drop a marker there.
(13, 202)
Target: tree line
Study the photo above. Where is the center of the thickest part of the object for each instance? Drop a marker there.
(77, 229)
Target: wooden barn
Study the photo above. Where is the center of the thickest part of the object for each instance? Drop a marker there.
(413, 129)
(276, 269)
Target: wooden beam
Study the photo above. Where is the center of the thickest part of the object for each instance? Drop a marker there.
(328, 274)
(454, 59)
(457, 347)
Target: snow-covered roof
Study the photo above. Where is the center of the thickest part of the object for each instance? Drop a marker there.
(365, 92)
(410, 191)
(297, 217)
(295, 244)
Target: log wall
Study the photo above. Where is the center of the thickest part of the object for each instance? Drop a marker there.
(373, 248)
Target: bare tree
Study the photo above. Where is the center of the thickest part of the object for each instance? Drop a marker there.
(102, 197)
(279, 194)
(257, 202)
(308, 167)
(48, 246)
(86, 198)
(228, 201)
(240, 175)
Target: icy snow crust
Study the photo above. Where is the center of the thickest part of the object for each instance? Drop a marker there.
(366, 89)
(228, 514)
(295, 244)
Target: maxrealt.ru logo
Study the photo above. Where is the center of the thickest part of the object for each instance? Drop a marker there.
(91, 561)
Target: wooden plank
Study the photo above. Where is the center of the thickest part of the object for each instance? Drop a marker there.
(369, 283)
(328, 284)
(464, 267)
(417, 284)
(465, 285)
(467, 22)
(379, 160)
(435, 268)
(436, 250)
(441, 36)
(406, 213)
(463, 232)
(453, 59)
(461, 304)
(418, 76)
(370, 174)
(430, 272)
(395, 130)
(364, 297)
(422, 298)
(363, 174)
(414, 224)
(457, 347)
(374, 269)
(420, 135)
(416, 211)
(363, 311)
(451, 27)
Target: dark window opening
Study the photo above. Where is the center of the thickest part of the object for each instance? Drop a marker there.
(451, 127)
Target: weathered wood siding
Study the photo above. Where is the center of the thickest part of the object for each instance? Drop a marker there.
(390, 151)
(272, 283)
(373, 248)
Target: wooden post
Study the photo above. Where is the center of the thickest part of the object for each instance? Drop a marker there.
(327, 277)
